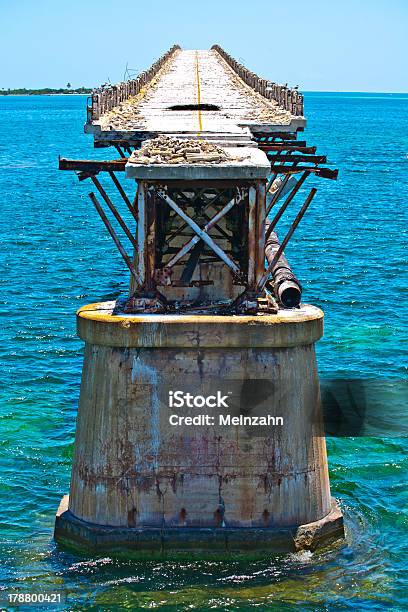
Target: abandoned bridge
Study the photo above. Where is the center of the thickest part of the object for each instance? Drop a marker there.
(200, 131)
(212, 162)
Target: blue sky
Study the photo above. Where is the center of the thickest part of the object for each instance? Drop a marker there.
(331, 45)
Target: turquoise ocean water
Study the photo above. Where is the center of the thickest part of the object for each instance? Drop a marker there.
(349, 252)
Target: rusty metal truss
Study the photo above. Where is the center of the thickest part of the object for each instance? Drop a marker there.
(182, 228)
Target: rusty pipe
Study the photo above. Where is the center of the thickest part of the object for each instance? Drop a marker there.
(284, 284)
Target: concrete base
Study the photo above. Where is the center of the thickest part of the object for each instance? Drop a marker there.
(141, 480)
(73, 532)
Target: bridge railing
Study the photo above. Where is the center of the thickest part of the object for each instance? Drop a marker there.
(105, 98)
(289, 99)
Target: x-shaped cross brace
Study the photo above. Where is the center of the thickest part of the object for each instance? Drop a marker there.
(201, 233)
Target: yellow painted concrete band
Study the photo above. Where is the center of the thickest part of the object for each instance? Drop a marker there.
(298, 327)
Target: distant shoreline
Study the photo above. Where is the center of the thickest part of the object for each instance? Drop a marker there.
(37, 94)
(85, 91)
(46, 91)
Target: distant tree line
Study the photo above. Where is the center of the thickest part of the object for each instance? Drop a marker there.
(45, 91)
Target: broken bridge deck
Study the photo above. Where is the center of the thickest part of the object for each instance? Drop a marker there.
(195, 92)
(212, 149)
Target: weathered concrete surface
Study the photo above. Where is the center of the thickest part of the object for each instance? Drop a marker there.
(199, 540)
(288, 328)
(190, 78)
(133, 470)
(246, 163)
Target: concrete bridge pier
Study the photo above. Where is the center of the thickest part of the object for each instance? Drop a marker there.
(147, 481)
(199, 426)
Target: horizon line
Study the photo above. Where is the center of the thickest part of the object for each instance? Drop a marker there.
(348, 91)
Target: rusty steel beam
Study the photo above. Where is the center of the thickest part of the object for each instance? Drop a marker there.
(277, 195)
(266, 141)
(141, 230)
(134, 203)
(315, 159)
(286, 147)
(119, 150)
(285, 241)
(252, 237)
(115, 238)
(192, 262)
(193, 283)
(286, 204)
(131, 142)
(182, 196)
(322, 172)
(270, 181)
(202, 234)
(260, 229)
(123, 194)
(189, 245)
(92, 166)
(114, 211)
(182, 226)
(221, 232)
(150, 240)
(274, 135)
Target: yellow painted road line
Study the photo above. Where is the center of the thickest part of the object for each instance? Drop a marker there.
(200, 119)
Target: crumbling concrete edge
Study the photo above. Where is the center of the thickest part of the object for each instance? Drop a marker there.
(312, 535)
